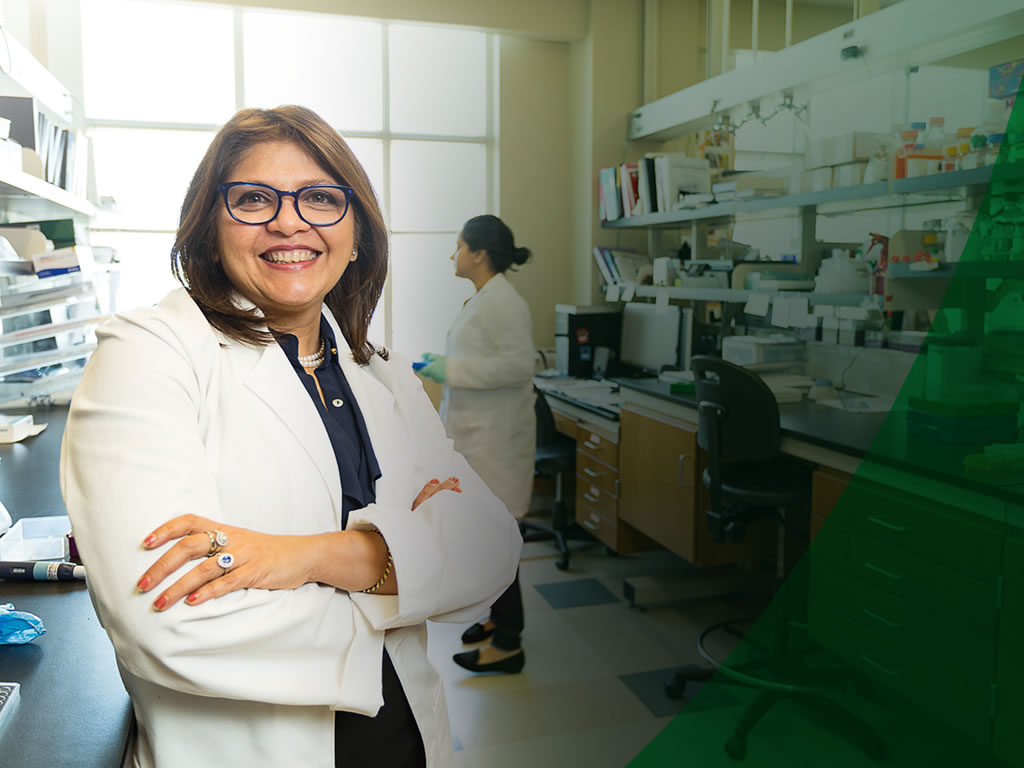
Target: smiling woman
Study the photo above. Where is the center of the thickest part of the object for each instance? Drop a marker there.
(300, 511)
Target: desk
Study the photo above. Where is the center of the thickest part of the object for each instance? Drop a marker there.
(73, 709)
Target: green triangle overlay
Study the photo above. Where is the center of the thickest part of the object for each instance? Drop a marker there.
(937, 642)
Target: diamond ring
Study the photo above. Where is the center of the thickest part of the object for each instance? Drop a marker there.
(218, 540)
(225, 560)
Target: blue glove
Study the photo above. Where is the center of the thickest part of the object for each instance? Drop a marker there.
(436, 369)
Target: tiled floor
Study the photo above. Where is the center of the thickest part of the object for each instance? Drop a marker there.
(591, 693)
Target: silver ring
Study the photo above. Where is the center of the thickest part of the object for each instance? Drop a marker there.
(225, 560)
(218, 540)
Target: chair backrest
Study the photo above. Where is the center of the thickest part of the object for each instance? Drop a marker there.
(743, 407)
(546, 432)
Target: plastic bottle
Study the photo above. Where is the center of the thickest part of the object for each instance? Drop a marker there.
(995, 143)
(963, 147)
(951, 151)
(920, 128)
(978, 149)
(935, 137)
(909, 140)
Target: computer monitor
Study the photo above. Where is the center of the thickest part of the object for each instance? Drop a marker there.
(653, 336)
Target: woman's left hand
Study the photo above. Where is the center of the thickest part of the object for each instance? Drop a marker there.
(260, 560)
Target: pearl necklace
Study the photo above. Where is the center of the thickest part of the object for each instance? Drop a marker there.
(314, 360)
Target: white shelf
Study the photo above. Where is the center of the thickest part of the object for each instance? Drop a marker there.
(729, 295)
(75, 295)
(30, 362)
(940, 183)
(23, 197)
(37, 332)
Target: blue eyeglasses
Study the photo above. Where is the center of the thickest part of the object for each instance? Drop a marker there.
(320, 205)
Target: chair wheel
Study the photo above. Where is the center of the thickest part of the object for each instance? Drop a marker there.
(675, 688)
(736, 747)
(562, 563)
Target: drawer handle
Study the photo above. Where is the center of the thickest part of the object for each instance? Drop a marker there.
(590, 525)
(878, 666)
(682, 470)
(590, 473)
(887, 574)
(881, 619)
(591, 499)
(590, 445)
(890, 526)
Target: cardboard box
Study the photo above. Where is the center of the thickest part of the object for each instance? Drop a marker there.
(63, 261)
(15, 428)
(817, 180)
(840, 150)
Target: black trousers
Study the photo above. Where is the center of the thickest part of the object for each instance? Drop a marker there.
(389, 740)
(507, 615)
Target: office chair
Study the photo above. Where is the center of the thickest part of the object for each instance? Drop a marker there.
(556, 455)
(749, 480)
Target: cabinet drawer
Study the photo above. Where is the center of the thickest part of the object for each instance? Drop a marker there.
(956, 539)
(966, 708)
(596, 473)
(954, 650)
(601, 528)
(964, 601)
(597, 444)
(587, 493)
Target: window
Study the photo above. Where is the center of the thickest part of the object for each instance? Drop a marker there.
(414, 102)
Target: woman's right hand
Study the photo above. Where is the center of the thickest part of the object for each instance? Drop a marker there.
(432, 487)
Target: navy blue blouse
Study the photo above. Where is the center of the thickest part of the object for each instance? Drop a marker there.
(357, 463)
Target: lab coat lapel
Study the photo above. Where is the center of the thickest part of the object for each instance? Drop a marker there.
(273, 380)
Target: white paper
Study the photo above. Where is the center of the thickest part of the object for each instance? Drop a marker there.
(661, 301)
(612, 294)
(758, 304)
(628, 291)
(780, 312)
(36, 538)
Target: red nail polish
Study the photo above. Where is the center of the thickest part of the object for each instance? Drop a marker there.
(192, 598)
(149, 540)
(434, 481)
(161, 602)
(143, 584)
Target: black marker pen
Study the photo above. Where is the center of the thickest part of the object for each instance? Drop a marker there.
(44, 571)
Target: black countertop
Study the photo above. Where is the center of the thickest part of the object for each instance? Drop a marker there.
(879, 437)
(73, 709)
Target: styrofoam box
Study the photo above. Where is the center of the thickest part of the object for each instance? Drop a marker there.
(839, 150)
(848, 175)
(751, 350)
(817, 180)
(14, 428)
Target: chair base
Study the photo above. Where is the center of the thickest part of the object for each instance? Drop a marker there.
(561, 530)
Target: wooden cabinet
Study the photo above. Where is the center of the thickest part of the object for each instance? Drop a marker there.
(597, 490)
(661, 491)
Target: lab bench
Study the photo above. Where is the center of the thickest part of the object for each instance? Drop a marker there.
(73, 708)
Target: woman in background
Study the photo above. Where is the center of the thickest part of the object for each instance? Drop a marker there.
(488, 408)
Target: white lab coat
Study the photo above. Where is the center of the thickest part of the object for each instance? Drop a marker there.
(488, 401)
(172, 418)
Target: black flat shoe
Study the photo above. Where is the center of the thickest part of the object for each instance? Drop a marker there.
(476, 634)
(510, 665)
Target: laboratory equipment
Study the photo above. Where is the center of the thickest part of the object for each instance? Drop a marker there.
(655, 336)
(579, 330)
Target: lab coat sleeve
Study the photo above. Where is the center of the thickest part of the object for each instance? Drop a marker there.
(507, 360)
(132, 458)
(456, 552)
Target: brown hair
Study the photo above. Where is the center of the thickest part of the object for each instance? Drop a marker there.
(193, 256)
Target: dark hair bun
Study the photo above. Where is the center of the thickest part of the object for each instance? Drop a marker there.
(521, 255)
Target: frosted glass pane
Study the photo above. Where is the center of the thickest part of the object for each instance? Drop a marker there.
(157, 62)
(147, 195)
(436, 186)
(145, 274)
(438, 81)
(370, 154)
(426, 295)
(335, 69)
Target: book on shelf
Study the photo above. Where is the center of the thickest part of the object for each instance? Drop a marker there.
(629, 181)
(603, 267)
(611, 201)
(648, 185)
(750, 184)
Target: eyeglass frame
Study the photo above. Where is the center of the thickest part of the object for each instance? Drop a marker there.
(281, 195)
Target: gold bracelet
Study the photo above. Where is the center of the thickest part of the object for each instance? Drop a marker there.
(387, 570)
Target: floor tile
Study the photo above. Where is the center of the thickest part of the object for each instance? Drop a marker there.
(577, 593)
